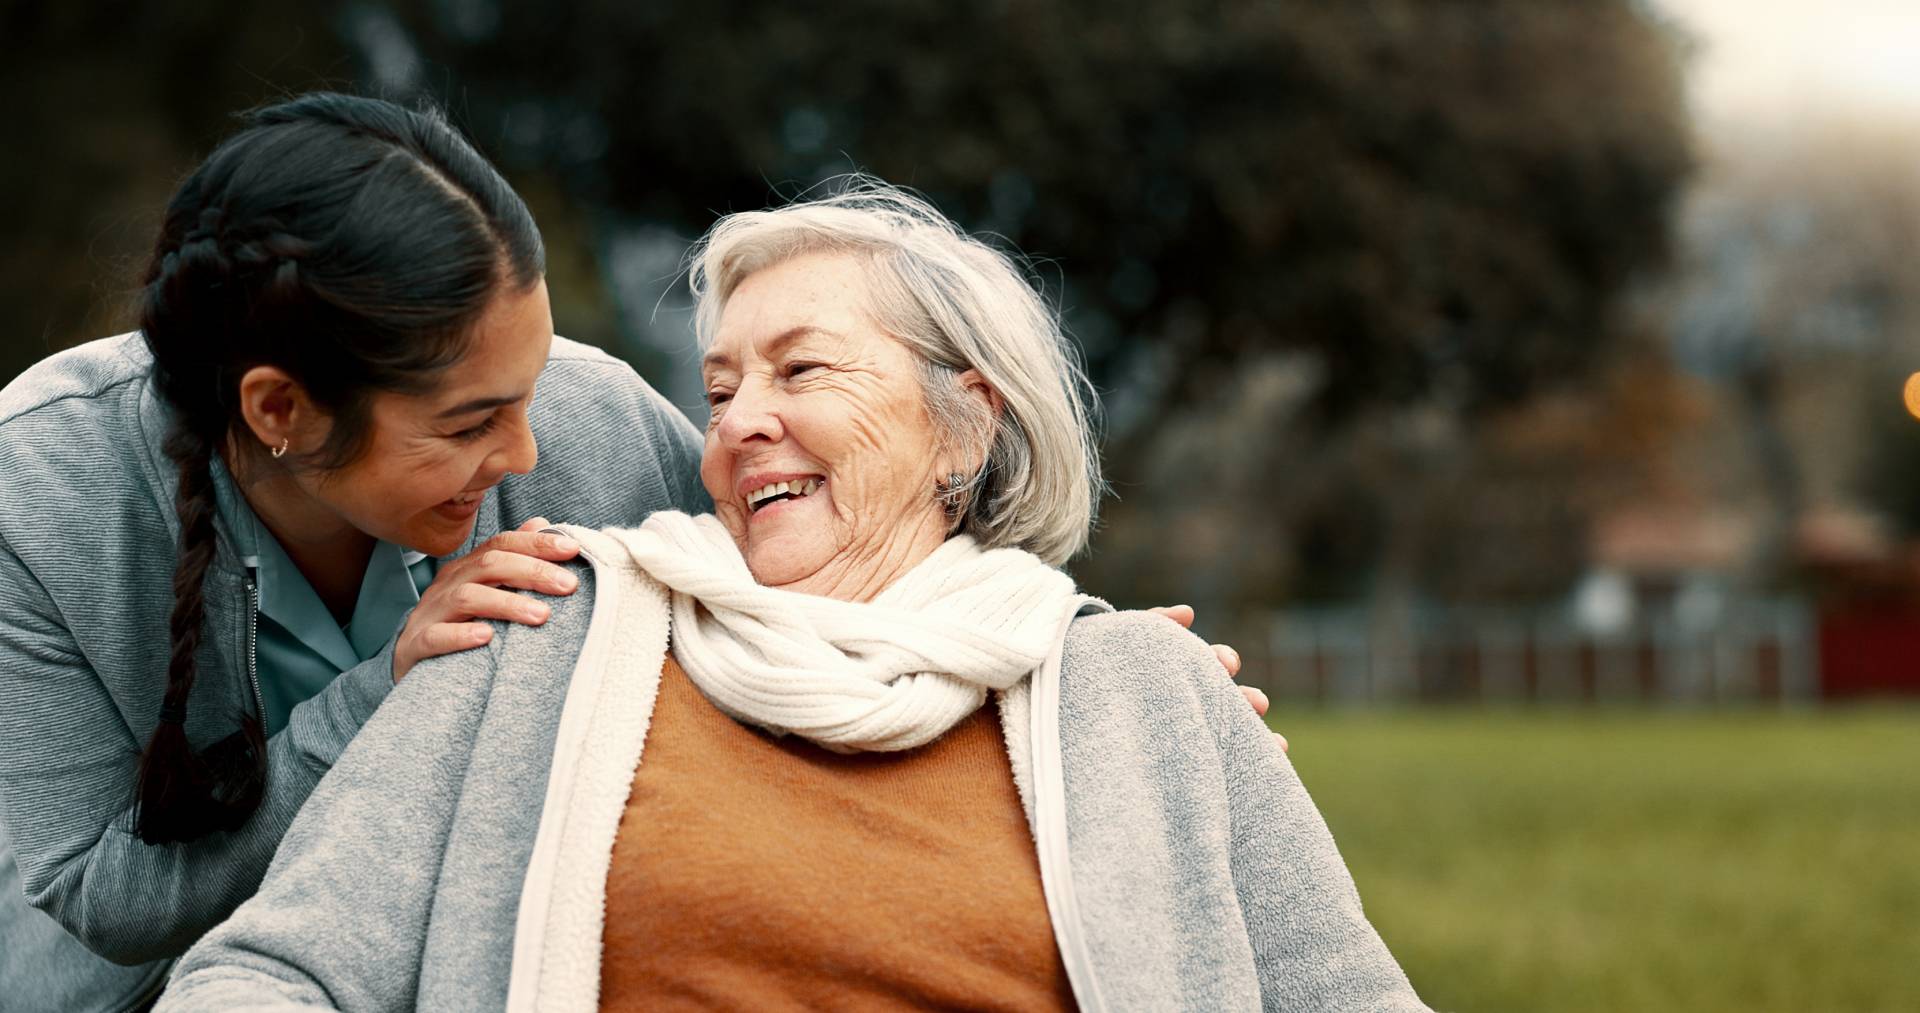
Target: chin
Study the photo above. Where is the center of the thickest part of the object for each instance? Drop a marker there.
(437, 541)
(773, 567)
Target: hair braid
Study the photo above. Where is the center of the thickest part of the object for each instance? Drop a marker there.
(181, 793)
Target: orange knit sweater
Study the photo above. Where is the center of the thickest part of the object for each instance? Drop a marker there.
(760, 872)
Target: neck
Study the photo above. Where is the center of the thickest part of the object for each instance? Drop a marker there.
(328, 551)
(863, 571)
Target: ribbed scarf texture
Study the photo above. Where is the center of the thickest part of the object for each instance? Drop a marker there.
(889, 674)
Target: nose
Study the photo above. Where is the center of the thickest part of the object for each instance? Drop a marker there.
(518, 453)
(747, 416)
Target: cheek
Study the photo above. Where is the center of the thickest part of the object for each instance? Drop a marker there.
(716, 474)
(869, 423)
(714, 469)
(895, 440)
(423, 478)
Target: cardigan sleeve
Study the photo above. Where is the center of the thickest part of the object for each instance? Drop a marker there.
(67, 763)
(340, 920)
(1313, 945)
(1212, 878)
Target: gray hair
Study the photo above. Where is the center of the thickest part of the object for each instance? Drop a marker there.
(959, 304)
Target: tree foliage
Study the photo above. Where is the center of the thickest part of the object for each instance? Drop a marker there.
(1434, 199)
(1286, 232)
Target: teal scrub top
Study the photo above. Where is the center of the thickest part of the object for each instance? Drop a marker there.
(299, 647)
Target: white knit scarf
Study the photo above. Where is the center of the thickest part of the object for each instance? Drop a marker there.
(889, 674)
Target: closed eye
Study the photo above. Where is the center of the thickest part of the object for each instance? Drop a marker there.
(797, 368)
(486, 426)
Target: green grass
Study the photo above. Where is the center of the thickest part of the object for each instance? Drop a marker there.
(1631, 861)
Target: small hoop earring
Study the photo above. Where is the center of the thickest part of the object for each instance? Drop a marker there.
(281, 450)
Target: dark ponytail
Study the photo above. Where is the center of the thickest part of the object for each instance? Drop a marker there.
(351, 243)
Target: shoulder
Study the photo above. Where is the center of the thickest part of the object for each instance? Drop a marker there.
(77, 376)
(1138, 654)
(74, 445)
(1135, 639)
(559, 639)
(612, 449)
(553, 646)
(600, 377)
(590, 402)
(536, 654)
(567, 353)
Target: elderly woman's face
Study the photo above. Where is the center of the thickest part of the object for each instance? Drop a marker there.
(820, 456)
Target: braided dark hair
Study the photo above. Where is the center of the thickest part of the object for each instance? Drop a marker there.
(351, 243)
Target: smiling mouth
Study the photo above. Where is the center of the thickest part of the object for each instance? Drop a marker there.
(775, 492)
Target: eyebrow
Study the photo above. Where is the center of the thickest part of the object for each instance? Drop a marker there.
(479, 403)
(720, 360)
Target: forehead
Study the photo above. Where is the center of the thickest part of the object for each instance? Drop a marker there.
(810, 296)
(508, 347)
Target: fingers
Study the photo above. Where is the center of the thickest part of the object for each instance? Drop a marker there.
(540, 545)
(1182, 614)
(535, 524)
(435, 640)
(446, 638)
(478, 601)
(503, 567)
(1256, 699)
(1229, 659)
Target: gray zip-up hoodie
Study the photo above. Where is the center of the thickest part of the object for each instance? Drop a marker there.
(87, 548)
(449, 859)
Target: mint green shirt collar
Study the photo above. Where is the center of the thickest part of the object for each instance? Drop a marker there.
(301, 648)
(386, 593)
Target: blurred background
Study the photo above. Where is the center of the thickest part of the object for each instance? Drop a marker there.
(1517, 383)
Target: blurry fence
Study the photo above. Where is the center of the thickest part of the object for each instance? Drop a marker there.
(1757, 651)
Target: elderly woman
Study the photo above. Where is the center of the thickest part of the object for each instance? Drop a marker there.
(851, 741)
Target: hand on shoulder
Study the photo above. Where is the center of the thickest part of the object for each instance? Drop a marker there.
(1160, 638)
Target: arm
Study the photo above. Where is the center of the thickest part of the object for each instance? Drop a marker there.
(1312, 943)
(67, 762)
(341, 919)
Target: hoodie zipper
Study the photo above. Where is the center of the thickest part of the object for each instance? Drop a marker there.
(253, 649)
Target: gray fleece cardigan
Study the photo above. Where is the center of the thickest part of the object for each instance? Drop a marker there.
(455, 857)
(87, 537)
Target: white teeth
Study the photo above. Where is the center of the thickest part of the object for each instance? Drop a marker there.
(797, 488)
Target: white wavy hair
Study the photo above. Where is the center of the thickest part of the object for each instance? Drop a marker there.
(959, 304)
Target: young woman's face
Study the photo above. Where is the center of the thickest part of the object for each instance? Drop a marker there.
(430, 458)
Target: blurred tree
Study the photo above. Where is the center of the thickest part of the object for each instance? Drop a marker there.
(111, 105)
(1795, 291)
(1438, 200)
(1306, 245)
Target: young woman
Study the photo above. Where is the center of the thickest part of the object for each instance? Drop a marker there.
(225, 537)
(325, 431)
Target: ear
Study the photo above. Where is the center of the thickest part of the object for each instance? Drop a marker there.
(976, 387)
(277, 409)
